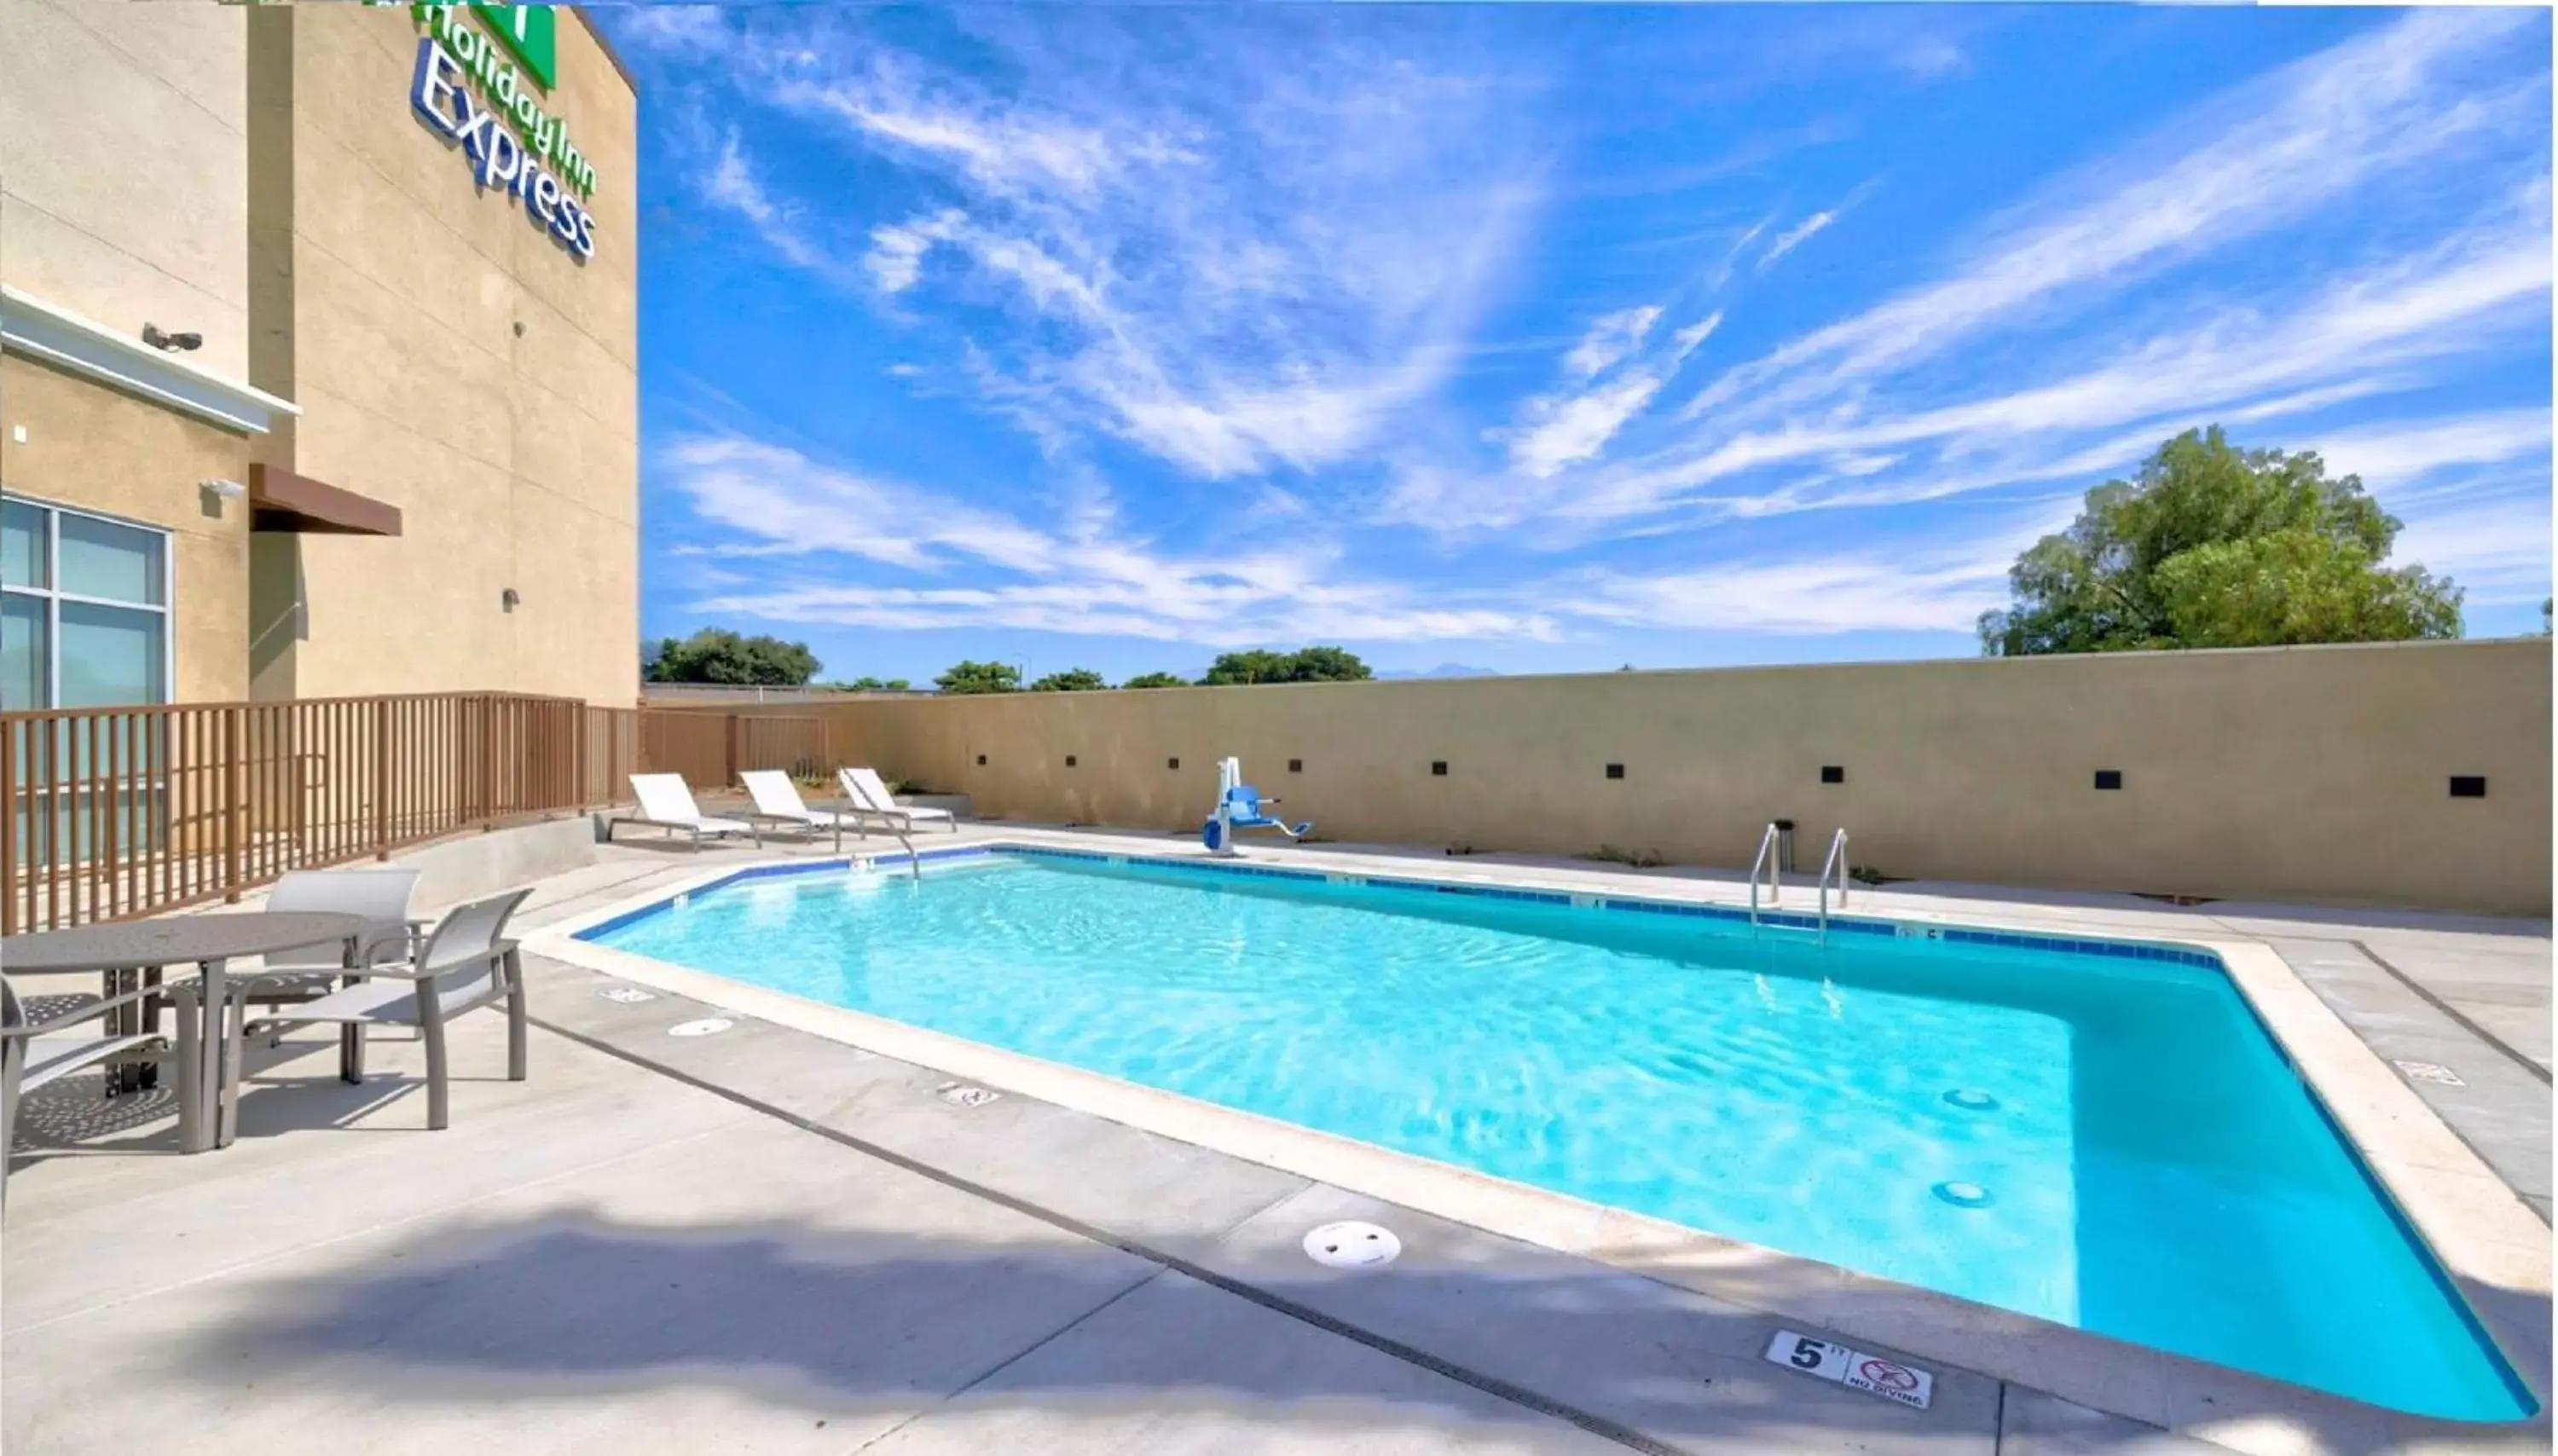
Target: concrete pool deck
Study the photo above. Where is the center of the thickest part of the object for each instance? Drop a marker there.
(765, 1239)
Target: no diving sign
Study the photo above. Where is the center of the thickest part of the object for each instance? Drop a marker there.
(1854, 1368)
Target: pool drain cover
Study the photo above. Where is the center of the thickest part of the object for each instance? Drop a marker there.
(961, 1095)
(1971, 1100)
(2434, 1072)
(1353, 1246)
(707, 1026)
(1963, 1195)
(628, 995)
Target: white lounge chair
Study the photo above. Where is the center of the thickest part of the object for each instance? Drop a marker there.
(870, 799)
(466, 963)
(665, 802)
(777, 801)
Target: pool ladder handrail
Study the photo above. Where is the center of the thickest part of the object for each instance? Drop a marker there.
(914, 861)
(1773, 874)
(1836, 864)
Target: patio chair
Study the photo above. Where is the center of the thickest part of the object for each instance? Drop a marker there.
(777, 801)
(57, 1043)
(466, 963)
(870, 799)
(379, 895)
(666, 802)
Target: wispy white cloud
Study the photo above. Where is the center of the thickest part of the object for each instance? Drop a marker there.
(1562, 430)
(1082, 575)
(2402, 452)
(2497, 549)
(732, 183)
(1933, 57)
(1795, 237)
(1612, 336)
(1559, 430)
(1271, 309)
(674, 29)
(2291, 144)
(1846, 592)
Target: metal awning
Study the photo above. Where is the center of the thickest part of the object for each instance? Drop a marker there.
(280, 500)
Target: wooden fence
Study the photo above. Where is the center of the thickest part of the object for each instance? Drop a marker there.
(117, 812)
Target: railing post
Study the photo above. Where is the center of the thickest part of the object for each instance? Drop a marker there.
(383, 779)
(736, 729)
(9, 828)
(233, 792)
(492, 732)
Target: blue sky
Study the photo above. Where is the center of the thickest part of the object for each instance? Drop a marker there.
(1549, 337)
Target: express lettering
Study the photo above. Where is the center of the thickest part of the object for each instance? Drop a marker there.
(499, 158)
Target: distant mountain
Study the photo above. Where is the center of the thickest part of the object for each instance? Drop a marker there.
(1445, 670)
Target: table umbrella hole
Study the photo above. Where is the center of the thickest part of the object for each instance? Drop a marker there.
(707, 1026)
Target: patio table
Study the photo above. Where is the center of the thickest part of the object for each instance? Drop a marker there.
(208, 942)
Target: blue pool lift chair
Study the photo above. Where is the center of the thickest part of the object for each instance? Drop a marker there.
(1239, 806)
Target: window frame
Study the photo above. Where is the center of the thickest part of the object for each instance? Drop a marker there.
(53, 597)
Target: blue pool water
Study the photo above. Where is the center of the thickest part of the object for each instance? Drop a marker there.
(2108, 1142)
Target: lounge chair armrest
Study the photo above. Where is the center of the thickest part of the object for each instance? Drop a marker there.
(85, 1012)
(412, 970)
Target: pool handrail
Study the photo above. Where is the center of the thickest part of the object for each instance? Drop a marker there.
(1835, 863)
(1766, 860)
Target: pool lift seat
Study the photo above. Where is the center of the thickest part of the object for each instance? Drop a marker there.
(1239, 806)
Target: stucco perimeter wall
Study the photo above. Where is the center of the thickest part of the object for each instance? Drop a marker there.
(2319, 775)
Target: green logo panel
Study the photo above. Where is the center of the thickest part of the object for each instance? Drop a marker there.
(532, 32)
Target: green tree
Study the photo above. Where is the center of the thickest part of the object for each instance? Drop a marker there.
(2213, 546)
(1305, 665)
(712, 655)
(1327, 665)
(1072, 680)
(980, 677)
(1155, 680)
(897, 685)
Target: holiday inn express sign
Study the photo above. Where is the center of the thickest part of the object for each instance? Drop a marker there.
(484, 85)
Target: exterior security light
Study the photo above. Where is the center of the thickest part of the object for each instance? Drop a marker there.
(227, 489)
(152, 335)
(510, 598)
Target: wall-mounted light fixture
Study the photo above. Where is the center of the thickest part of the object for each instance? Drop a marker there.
(152, 335)
(510, 598)
(227, 489)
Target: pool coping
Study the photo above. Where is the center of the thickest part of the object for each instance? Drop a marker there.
(2491, 1246)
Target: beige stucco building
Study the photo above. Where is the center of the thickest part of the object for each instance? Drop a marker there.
(319, 353)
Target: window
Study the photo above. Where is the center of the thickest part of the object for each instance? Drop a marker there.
(83, 609)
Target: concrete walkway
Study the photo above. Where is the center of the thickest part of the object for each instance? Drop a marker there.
(763, 1241)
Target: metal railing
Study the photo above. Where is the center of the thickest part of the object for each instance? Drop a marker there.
(1835, 863)
(1773, 876)
(109, 813)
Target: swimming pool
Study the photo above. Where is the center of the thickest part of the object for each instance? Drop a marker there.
(2107, 1141)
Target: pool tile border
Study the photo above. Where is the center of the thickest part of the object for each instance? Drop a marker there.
(1770, 919)
(2486, 1243)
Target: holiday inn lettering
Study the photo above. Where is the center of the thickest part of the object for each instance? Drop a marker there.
(513, 144)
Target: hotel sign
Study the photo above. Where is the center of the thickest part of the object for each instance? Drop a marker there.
(532, 32)
(466, 90)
